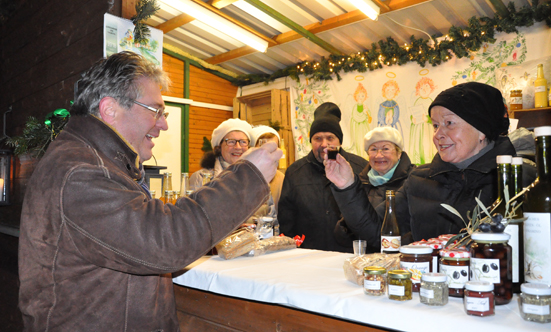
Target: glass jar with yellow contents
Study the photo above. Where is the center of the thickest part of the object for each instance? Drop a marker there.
(515, 100)
(399, 285)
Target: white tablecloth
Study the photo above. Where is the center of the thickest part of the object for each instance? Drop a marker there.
(314, 280)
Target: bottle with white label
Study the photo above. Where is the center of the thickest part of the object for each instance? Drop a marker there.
(537, 208)
(390, 233)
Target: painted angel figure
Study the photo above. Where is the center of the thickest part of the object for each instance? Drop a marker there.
(389, 110)
(360, 120)
(421, 148)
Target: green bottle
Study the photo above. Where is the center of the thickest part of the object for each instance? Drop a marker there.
(515, 228)
(503, 181)
(537, 208)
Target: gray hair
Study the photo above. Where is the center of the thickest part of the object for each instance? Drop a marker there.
(116, 77)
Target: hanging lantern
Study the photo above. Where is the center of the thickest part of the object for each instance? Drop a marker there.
(6, 176)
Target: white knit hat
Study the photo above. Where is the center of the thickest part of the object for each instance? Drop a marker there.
(230, 125)
(261, 130)
(383, 134)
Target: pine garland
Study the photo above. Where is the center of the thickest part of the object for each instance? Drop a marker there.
(144, 10)
(459, 42)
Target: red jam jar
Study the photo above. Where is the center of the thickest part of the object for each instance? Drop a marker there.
(455, 264)
(479, 298)
(417, 260)
(491, 260)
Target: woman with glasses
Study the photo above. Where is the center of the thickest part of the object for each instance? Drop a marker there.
(388, 168)
(229, 141)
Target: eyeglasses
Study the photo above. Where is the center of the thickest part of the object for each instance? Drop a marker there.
(158, 112)
(384, 151)
(231, 142)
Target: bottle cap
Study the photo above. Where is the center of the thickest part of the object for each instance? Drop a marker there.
(416, 250)
(535, 289)
(479, 286)
(542, 131)
(517, 161)
(498, 237)
(434, 277)
(504, 159)
(455, 253)
(374, 270)
(399, 274)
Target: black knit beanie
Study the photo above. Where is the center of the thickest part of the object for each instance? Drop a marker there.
(326, 119)
(481, 105)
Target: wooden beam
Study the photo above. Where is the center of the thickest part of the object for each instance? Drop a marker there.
(500, 8)
(221, 3)
(175, 22)
(294, 26)
(128, 8)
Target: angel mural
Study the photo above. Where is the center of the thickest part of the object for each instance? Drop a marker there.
(389, 110)
(421, 148)
(360, 120)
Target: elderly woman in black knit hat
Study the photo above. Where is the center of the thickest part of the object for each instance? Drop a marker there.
(468, 120)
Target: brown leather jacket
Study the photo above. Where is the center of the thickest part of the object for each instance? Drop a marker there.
(96, 253)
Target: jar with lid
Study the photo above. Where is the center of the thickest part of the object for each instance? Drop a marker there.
(434, 289)
(455, 264)
(399, 285)
(535, 302)
(491, 260)
(417, 260)
(479, 298)
(375, 280)
(515, 102)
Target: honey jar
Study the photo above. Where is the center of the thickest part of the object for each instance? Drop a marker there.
(515, 100)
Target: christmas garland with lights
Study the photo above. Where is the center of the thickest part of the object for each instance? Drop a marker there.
(459, 42)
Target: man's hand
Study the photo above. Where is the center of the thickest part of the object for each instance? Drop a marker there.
(339, 171)
(265, 158)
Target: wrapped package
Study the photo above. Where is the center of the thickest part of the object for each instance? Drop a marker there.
(354, 267)
(274, 243)
(238, 243)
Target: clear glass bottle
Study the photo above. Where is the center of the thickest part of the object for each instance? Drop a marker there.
(184, 185)
(434, 289)
(540, 84)
(283, 160)
(375, 280)
(390, 233)
(152, 192)
(479, 298)
(491, 260)
(535, 303)
(537, 208)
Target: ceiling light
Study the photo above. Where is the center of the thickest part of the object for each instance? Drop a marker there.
(218, 22)
(370, 9)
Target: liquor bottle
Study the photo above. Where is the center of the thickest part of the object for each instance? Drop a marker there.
(541, 89)
(390, 233)
(515, 228)
(170, 196)
(175, 196)
(207, 177)
(283, 160)
(184, 186)
(164, 187)
(169, 181)
(537, 208)
(152, 192)
(503, 176)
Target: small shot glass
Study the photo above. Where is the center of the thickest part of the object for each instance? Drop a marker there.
(332, 151)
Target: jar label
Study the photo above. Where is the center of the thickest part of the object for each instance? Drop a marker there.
(483, 269)
(516, 100)
(512, 229)
(477, 303)
(542, 310)
(396, 290)
(390, 243)
(537, 246)
(427, 293)
(416, 269)
(372, 284)
(457, 275)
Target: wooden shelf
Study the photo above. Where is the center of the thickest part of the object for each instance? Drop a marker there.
(533, 117)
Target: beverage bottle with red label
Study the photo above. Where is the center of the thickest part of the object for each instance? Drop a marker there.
(390, 233)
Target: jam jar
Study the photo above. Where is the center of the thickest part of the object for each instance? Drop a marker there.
(374, 280)
(434, 289)
(399, 285)
(535, 302)
(479, 298)
(436, 246)
(491, 260)
(417, 260)
(515, 100)
(455, 264)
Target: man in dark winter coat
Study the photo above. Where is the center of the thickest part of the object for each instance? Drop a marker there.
(307, 206)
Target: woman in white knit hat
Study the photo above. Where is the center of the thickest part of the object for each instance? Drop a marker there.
(229, 141)
(264, 132)
(388, 168)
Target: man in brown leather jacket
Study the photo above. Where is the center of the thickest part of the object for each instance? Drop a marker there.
(95, 251)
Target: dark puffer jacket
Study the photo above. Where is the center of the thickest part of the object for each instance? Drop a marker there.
(418, 201)
(376, 196)
(307, 206)
(96, 253)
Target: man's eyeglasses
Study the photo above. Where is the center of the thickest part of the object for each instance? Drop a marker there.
(158, 112)
(231, 142)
